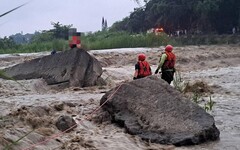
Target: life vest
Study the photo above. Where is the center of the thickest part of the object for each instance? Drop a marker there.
(144, 69)
(170, 61)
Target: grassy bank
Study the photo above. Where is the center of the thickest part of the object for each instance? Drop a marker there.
(110, 40)
(36, 47)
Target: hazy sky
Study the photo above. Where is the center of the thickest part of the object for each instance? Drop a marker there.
(85, 15)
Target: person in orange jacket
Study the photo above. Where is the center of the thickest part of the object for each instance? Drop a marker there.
(142, 67)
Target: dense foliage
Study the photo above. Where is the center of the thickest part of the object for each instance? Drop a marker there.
(205, 16)
(55, 38)
(109, 40)
(189, 16)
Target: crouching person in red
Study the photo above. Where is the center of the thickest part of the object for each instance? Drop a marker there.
(142, 68)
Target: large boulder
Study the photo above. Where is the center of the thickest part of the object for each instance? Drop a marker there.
(75, 66)
(155, 111)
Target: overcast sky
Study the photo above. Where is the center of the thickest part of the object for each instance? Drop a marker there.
(85, 15)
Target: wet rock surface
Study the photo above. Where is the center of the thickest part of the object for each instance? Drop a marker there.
(75, 67)
(65, 123)
(155, 111)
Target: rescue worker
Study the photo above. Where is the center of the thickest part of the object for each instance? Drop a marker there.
(74, 40)
(142, 67)
(167, 63)
(75, 43)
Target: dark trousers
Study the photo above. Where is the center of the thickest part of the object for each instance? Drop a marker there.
(167, 76)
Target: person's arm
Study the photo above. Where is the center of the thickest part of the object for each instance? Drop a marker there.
(135, 74)
(136, 71)
(161, 62)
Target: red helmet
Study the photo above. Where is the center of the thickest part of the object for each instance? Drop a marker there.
(141, 57)
(169, 48)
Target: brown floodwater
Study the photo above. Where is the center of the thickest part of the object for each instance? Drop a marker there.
(226, 111)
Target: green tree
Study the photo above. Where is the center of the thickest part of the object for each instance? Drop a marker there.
(6, 43)
(136, 21)
(120, 25)
(207, 16)
(44, 36)
(227, 16)
(60, 31)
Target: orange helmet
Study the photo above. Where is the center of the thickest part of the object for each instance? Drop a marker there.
(169, 48)
(141, 57)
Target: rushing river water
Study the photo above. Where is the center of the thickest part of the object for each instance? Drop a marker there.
(226, 111)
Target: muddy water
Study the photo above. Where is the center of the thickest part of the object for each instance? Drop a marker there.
(226, 111)
(226, 85)
(225, 81)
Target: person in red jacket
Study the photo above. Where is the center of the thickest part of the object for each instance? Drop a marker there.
(142, 67)
(74, 40)
(167, 64)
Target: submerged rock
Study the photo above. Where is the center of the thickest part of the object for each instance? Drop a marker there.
(66, 123)
(155, 111)
(75, 67)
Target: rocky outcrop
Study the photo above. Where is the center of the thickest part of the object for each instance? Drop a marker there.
(155, 111)
(65, 123)
(75, 67)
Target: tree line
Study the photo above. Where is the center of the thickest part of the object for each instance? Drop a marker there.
(198, 16)
(55, 38)
(203, 16)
